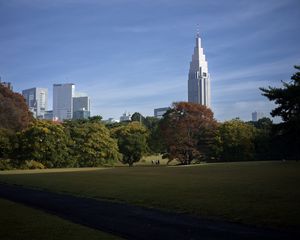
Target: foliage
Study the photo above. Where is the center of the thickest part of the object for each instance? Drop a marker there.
(14, 113)
(236, 141)
(155, 141)
(44, 142)
(188, 130)
(287, 100)
(91, 143)
(96, 118)
(31, 164)
(137, 117)
(132, 141)
(5, 142)
(263, 139)
(6, 164)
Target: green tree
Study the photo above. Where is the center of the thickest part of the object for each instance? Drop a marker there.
(5, 142)
(14, 113)
(132, 141)
(91, 145)
(188, 131)
(96, 118)
(44, 142)
(155, 141)
(263, 139)
(287, 99)
(236, 139)
(137, 117)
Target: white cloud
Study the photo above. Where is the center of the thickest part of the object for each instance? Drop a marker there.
(270, 68)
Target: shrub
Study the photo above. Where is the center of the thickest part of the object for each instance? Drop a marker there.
(31, 164)
(5, 164)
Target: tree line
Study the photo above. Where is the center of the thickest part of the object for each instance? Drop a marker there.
(187, 133)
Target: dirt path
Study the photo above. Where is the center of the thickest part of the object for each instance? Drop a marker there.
(133, 222)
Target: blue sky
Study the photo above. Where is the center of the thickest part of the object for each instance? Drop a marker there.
(134, 54)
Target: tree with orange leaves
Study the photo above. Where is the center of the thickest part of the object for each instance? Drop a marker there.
(14, 113)
(188, 131)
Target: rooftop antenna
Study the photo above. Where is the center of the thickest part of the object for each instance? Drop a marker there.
(198, 30)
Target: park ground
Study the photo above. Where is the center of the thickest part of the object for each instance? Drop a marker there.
(256, 193)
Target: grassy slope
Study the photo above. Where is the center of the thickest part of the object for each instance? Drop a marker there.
(20, 222)
(262, 193)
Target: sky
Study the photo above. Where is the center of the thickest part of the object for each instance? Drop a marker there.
(133, 55)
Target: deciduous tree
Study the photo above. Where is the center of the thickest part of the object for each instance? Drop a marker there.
(14, 113)
(132, 141)
(44, 142)
(236, 141)
(91, 145)
(5, 142)
(188, 130)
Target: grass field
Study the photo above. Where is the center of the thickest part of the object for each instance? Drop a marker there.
(259, 193)
(20, 222)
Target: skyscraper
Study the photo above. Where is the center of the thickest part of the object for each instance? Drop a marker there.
(159, 112)
(199, 79)
(37, 101)
(81, 107)
(63, 101)
(256, 116)
(81, 103)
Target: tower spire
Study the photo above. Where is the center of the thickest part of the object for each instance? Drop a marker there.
(198, 31)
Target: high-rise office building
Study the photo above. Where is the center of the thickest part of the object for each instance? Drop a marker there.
(159, 112)
(256, 116)
(125, 117)
(199, 79)
(81, 103)
(81, 107)
(37, 101)
(63, 101)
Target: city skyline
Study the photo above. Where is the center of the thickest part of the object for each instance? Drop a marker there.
(134, 55)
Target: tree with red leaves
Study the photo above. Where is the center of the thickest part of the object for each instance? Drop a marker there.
(188, 131)
(14, 113)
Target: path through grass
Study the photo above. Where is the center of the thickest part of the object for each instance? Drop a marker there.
(260, 193)
(20, 222)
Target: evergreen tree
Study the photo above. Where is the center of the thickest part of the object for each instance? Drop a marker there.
(287, 99)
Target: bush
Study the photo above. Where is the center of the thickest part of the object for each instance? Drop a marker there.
(5, 142)
(5, 164)
(31, 164)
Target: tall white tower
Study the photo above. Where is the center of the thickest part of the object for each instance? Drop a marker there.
(199, 79)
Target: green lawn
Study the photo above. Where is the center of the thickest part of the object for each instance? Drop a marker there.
(260, 193)
(20, 222)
